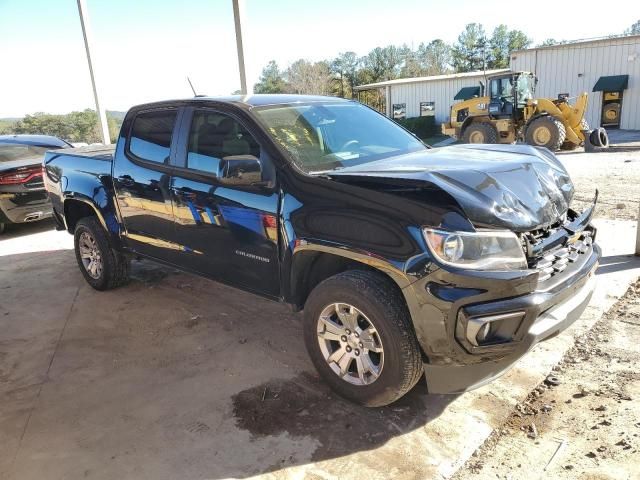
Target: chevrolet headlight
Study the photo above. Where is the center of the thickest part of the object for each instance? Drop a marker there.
(483, 250)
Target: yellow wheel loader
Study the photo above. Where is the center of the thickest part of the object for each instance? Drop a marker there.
(509, 111)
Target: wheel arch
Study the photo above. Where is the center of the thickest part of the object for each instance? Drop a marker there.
(77, 208)
(312, 265)
(470, 120)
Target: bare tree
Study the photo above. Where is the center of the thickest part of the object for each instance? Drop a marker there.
(309, 78)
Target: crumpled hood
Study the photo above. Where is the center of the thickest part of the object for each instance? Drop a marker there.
(517, 187)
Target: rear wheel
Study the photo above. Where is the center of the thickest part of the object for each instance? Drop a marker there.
(102, 266)
(546, 131)
(480, 132)
(2, 227)
(360, 338)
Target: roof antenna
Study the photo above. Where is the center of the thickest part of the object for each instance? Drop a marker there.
(191, 85)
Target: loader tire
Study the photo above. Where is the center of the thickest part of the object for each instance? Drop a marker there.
(611, 113)
(480, 132)
(546, 131)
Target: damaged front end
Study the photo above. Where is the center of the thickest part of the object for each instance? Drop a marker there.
(552, 250)
(474, 326)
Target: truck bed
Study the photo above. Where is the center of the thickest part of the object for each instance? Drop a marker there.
(99, 152)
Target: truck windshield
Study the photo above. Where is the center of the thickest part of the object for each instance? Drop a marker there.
(328, 136)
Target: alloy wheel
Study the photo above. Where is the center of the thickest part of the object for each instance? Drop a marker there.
(350, 344)
(90, 255)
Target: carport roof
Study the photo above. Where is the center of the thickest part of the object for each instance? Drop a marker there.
(432, 78)
(612, 83)
(466, 93)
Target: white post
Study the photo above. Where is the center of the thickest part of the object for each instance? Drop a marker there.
(86, 33)
(238, 15)
(387, 101)
(638, 235)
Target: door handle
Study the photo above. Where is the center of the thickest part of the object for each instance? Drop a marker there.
(126, 180)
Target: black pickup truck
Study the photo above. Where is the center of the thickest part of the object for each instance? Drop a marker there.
(408, 261)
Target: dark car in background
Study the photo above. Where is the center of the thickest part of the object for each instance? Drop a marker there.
(22, 194)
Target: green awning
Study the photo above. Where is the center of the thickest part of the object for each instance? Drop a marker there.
(612, 83)
(467, 92)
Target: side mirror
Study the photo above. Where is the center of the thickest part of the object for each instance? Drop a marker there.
(240, 170)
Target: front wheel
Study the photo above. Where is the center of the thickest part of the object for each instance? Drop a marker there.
(359, 335)
(102, 266)
(546, 131)
(480, 132)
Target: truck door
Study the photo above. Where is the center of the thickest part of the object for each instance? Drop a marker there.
(142, 174)
(229, 231)
(501, 97)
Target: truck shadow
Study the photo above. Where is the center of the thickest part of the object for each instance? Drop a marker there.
(172, 366)
(305, 407)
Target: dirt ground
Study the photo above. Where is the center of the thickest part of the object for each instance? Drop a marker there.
(616, 175)
(583, 422)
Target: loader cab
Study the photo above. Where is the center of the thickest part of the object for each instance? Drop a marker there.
(508, 94)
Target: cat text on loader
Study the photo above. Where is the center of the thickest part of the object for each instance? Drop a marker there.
(509, 111)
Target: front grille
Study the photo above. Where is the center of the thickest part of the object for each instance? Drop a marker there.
(559, 260)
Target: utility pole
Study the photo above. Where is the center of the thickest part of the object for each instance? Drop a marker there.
(86, 33)
(238, 16)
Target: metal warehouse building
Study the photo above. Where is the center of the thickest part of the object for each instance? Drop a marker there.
(424, 96)
(608, 69)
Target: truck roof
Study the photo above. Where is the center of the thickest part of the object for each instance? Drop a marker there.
(254, 100)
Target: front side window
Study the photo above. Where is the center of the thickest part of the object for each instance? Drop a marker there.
(214, 136)
(151, 133)
(334, 135)
(502, 88)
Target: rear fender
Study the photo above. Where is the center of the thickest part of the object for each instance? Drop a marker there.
(105, 215)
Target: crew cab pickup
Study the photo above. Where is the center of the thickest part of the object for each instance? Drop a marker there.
(408, 261)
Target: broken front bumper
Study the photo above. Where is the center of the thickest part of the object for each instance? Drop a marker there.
(530, 312)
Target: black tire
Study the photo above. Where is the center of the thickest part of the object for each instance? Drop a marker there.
(377, 298)
(603, 137)
(2, 228)
(546, 131)
(594, 138)
(482, 130)
(115, 265)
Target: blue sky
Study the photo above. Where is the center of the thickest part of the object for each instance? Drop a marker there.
(144, 49)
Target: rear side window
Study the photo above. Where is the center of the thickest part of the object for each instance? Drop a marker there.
(150, 137)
